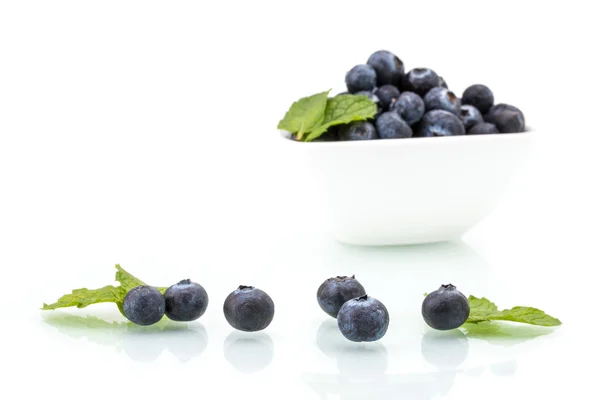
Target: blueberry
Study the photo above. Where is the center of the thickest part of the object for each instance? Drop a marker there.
(389, 68)
(185, 301)
(334, 292)
(507, 118)
(410, 107)
(359, 130)
(248, 309)
(421, 81)
(483, 128)
(479, 96)
(374, 98)
(470, 116)
(363, 319)
(361, 77)
(442, 82)
(440, 98)
(439, 123)
(387, 94)
(391, 126)
(144, 305)
(446, 308)
(331, 135)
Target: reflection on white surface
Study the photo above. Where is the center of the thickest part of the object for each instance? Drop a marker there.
(506, 368)
(445, 349)
(140, 343)
(363, 367)
(248, 352)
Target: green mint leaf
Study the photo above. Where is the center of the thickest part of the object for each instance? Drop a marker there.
(483, 309)
(127, 280)
(344, 109)
(84, 297)
(503, 334)
(305, 114)
(108, 294)
(527, 315)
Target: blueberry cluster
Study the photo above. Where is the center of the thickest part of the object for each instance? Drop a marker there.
(184, 301)
(360, 318)
(247, 308)
(418, 103)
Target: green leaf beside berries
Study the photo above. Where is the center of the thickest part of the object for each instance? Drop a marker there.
(81, 298)
(310, 117)
(483, 309)
(84, 297)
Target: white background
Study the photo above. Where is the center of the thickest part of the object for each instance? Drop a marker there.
(141, 133)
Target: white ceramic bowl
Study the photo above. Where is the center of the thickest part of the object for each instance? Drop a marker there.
(411, 191)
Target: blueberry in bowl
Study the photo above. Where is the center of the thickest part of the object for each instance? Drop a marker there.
(388, 67)
(421, 81)
(440, 123)
(410, 106)
(387, 95)
(361, 77)
(470, 116)
(440, 98)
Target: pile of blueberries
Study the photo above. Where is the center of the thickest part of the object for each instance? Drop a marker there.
(419, 104)
(362, 318)
(247, 308)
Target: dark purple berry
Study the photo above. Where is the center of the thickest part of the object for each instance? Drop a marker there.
(420, 81)
(410, 107)
(144, 305)
(249, 309)
(389, 68)
(507, 118)
(446, 308)
(483, 128)
(361, 77)
(359, 130)
(470, 116)
(479, 96)
(185, 301)
(439, 123)
(363, 319)
(387, 94)
(440, 98)
(334, 292)
(391, 126)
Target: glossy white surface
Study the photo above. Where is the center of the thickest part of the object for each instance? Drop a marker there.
(415, 191)
(113, 150)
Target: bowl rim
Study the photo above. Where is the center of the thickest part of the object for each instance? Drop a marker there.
(528, 133)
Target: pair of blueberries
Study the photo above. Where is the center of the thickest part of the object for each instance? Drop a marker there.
(247, 308)
(362, 318)
(419, 104)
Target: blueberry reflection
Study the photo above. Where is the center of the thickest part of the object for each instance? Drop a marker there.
(328, 338)
(140, 343)
(445, 349)
(362, 372)
(248, 352)
(363, 362)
